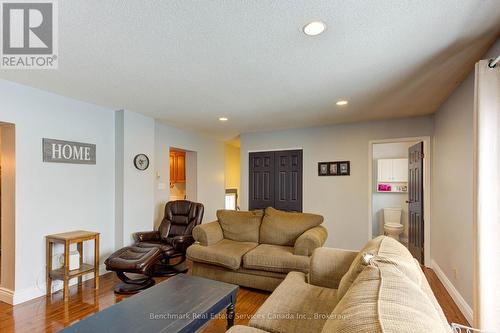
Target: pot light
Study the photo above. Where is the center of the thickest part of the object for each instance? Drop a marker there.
(314, 28)
(340, 103)
(223, 119)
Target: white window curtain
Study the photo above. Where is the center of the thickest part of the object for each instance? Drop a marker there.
(487, 198)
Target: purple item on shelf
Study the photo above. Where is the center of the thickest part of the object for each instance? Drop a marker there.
(384, 187)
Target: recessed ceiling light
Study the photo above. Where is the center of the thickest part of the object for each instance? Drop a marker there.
(223, 119)
(342, 103)
(314, 28)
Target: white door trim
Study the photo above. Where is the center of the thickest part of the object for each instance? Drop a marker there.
(427, 189)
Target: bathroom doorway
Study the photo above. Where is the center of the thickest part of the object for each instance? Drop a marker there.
(183, 174)
(397, 196)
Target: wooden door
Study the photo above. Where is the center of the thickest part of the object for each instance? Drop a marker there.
(416, 201)
(261, 180)
(177, 167)
(288, 180)
(172, 167)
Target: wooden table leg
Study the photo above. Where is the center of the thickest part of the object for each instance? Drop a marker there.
(79, 248)
(66, 271)
(230, 316)
(48, 264)
(96, 262)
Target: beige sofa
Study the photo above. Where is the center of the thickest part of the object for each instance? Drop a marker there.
(255, 249)
(379, 289)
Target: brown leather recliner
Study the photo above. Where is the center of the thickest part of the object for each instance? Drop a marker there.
(174, 235)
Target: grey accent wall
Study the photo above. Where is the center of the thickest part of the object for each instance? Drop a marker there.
(343, 201)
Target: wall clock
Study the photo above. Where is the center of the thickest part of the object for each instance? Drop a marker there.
(141, 162)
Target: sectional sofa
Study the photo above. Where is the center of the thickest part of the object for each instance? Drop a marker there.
(380, 289)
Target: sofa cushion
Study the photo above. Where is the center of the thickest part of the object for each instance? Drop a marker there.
(240, 226)
(226, 253)
(383, 299)
(262, 280)
(283, 228)
(275, 258)
(391, 251)
(295, 306)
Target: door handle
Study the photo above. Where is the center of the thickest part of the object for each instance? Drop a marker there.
(409, 201)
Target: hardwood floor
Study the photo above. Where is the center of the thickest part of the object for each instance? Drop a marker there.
(46, 314)
(450, 309)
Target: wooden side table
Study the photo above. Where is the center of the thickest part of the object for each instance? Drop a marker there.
(68, 238)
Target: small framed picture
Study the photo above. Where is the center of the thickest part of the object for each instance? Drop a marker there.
(344, 168)
(333, 169)
(323, 169)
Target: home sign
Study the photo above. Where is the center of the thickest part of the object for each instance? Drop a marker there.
(59, 151)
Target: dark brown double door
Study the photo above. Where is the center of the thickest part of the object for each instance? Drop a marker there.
(416, 201)
(275, 180)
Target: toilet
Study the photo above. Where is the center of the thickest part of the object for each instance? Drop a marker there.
(392, 222)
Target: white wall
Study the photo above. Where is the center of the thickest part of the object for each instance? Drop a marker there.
(452, 205)
(383, 200)
(343, 201)
(209, 169)
(119, 174)
(138, 186)
(191, 175)
(51, 197)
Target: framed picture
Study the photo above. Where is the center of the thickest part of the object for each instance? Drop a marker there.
(323, 169)
(344, 168)
(333, 168)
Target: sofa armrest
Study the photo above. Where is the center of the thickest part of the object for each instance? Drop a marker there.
(146, 236)
(310, 240)
(329, 265)
(208, 233)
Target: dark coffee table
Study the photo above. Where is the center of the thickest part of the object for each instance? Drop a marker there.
(182, 303)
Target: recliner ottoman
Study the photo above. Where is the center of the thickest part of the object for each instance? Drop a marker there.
(133, 259)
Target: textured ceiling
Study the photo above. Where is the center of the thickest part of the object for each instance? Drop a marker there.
(188, 62)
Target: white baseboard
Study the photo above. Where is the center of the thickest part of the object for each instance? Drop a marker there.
(27, 294)
(6, 295)
(24, 295)
(457, 297)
